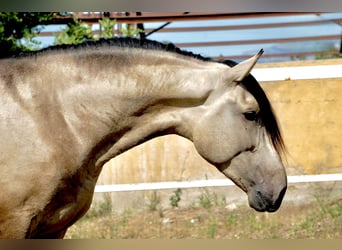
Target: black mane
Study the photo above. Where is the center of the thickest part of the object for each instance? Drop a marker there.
(123, 42)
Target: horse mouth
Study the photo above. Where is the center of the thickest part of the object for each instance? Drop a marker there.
(261, 203)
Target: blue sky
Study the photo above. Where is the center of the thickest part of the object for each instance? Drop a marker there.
(328, 28)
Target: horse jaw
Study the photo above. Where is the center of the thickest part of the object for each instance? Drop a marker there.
(260, 174)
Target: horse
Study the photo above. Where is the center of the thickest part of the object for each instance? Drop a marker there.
(66, 110)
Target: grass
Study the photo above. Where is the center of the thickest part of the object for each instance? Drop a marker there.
(210, 219)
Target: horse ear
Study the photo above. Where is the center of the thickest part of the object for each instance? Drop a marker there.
(241, 70)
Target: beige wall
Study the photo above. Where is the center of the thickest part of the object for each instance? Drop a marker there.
(168, 158)
(310, 114)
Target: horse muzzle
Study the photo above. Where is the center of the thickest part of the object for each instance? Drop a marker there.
(263, 202)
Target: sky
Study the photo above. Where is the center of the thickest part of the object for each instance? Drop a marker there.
(328, 28)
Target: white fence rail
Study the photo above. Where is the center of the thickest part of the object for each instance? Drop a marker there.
(206, 183)
(298, 73)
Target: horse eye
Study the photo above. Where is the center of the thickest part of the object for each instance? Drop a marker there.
(251, 115)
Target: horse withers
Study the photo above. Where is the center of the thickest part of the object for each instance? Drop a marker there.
(66, 110)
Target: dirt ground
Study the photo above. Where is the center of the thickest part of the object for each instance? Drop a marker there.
(212, 218)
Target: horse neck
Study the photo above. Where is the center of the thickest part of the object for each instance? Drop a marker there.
(119, 107)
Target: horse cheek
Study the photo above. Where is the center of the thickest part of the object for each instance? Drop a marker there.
(215, 140)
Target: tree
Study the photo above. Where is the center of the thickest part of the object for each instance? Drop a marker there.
(17, 30)
(130, 31)
(76, 32)
(108, 26)
(79, 32)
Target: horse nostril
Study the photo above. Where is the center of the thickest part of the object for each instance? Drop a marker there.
(277, 203)
(263, 202)
(280, 197)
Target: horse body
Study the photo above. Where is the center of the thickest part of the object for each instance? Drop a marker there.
(65, 113)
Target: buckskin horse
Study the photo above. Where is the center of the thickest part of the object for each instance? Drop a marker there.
(66, 110)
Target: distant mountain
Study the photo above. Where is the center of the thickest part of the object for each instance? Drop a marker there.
(299, 47)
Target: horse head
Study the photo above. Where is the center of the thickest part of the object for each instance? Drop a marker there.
(238, 133)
